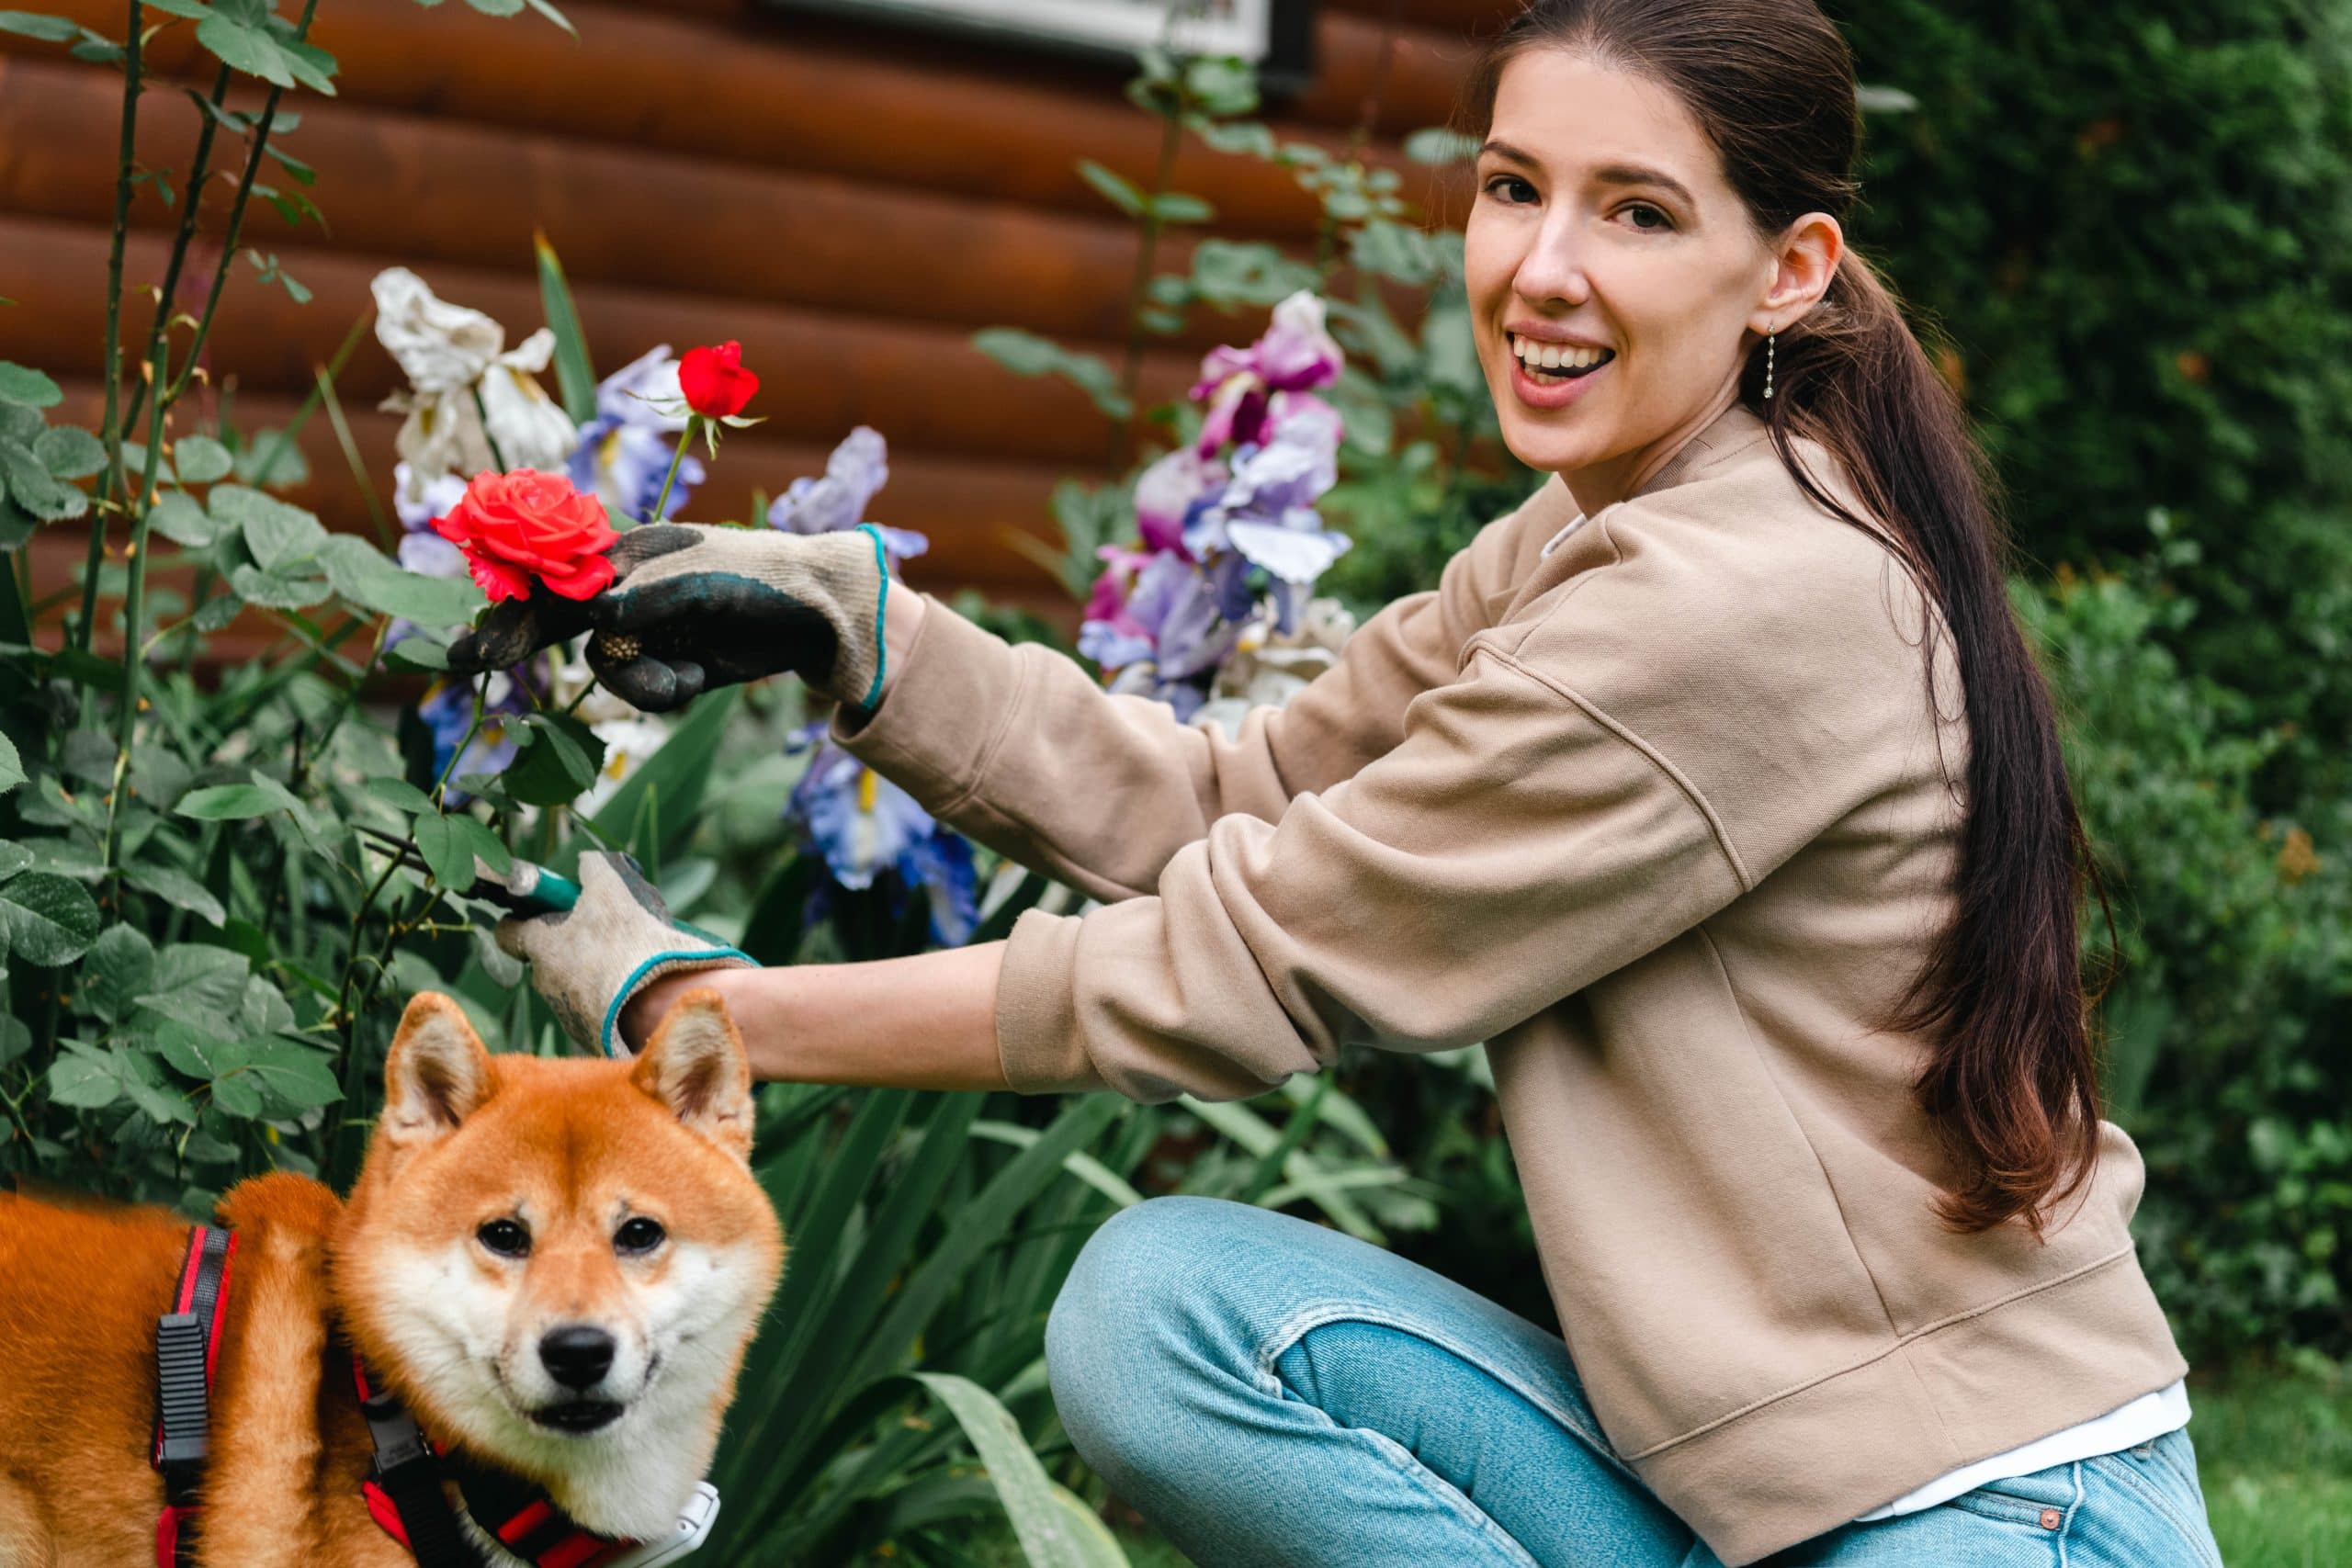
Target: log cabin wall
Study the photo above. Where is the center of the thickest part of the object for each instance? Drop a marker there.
(849, 200)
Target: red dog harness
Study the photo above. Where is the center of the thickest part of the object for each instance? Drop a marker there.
(403, 1488)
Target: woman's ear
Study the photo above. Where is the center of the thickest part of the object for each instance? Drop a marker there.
(1803, 264)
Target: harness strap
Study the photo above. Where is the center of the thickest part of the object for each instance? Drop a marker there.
(187, 1350)
(406, 1483)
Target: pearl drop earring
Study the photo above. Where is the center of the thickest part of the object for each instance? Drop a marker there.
(1769, 340)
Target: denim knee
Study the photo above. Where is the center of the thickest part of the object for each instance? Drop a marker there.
(1117, 1338)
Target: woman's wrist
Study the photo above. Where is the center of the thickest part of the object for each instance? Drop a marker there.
(643, 1012)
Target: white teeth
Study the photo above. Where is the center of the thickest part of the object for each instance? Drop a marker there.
(1553, 356)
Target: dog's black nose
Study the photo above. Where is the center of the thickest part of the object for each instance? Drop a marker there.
(576, 1355)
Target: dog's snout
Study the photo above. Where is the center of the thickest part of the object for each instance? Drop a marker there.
(577, 1355)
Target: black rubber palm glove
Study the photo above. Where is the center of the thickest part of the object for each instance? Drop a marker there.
(693, 607)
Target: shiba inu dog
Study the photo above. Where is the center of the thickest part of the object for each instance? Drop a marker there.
(554, 1267)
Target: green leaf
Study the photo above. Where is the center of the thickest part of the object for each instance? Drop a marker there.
(418, 652)
(134, 464)
(1049, 1532)
(1439, 145)
(12, 767)
(13, 858)
(70, 452)
(312, 66)
(1027, 354)
(293, 1079)
(32, 488)
(278, 534)
(32, 24)
(201, 986)
(51, 919)
(1176, 207)
(21, 384)
(447, 851)
(231, 803)
(179, 519)
(265, 1010)
(1117, 189)
(573, 376)
(559, 761)
(202, 459)
(547, 10)
(116, 971)
(497, 7)
(282, 589)
(81, 1077)
(361, 574)
(481, 842)
(400, 795)
(195, 10)
(242, 48)
(179, 890)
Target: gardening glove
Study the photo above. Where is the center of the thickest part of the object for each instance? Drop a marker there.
(617, 939)
(694, 606)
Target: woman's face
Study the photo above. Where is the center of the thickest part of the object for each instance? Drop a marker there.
(1604, 232)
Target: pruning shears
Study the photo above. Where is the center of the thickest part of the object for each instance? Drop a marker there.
(527, 890)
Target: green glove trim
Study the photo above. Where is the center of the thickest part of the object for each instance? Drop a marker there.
(609, 1036)
(881, 648)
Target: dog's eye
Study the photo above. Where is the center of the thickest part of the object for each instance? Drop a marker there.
(639, 1234)
(505, 1238)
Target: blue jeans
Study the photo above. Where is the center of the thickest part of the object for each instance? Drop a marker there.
(1268, 1391)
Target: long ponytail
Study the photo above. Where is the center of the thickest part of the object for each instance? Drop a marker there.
(2011, 1084)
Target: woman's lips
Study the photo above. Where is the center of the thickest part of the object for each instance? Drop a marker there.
(1559, 395)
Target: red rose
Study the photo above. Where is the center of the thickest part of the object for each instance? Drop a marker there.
(515, 527)
(714, 380)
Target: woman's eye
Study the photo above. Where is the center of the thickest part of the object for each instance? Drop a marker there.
(505, 1238)
(1641, 208)
(639, 1234)
(1509, 188)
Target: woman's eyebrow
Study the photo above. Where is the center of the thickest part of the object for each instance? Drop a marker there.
(1607, 174)
(1636, 175)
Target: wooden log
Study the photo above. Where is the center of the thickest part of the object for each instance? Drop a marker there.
(926, 387)
(760, 88)
(427, 190)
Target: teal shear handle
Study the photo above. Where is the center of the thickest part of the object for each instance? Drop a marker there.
(531, 890)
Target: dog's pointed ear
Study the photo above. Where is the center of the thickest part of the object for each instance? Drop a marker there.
(437, 1076)
(695, 1066)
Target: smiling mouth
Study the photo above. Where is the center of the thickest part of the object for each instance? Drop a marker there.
(577, 1416)
(1549, 365)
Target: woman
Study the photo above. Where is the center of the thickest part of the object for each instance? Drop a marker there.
(1714, 787)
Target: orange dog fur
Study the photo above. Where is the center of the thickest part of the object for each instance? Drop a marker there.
(581, 1154)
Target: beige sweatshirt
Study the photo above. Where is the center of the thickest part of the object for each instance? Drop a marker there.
(1660, 815)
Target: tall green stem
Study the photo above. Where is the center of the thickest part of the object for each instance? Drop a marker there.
(1122, 439)
(198, 167)
(126, 159)
(134, 610)
(685, 439)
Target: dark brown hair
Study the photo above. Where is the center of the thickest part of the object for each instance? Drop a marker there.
(2011, 1087)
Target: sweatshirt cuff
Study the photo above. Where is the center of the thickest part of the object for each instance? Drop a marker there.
(1037, 1038)
(950, 689)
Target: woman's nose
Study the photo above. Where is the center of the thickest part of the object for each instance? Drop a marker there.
(1554, 267)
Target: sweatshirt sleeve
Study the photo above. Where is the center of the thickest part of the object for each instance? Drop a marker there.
(1516, 844)
(1019, 748)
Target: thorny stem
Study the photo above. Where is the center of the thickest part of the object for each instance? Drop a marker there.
(196, 171)
(134, 656)
(113, 486)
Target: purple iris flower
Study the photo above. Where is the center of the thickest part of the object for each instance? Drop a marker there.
(1296, 355)
(624, 453)
(1169, 490)
(858, 468)
(869, 829)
